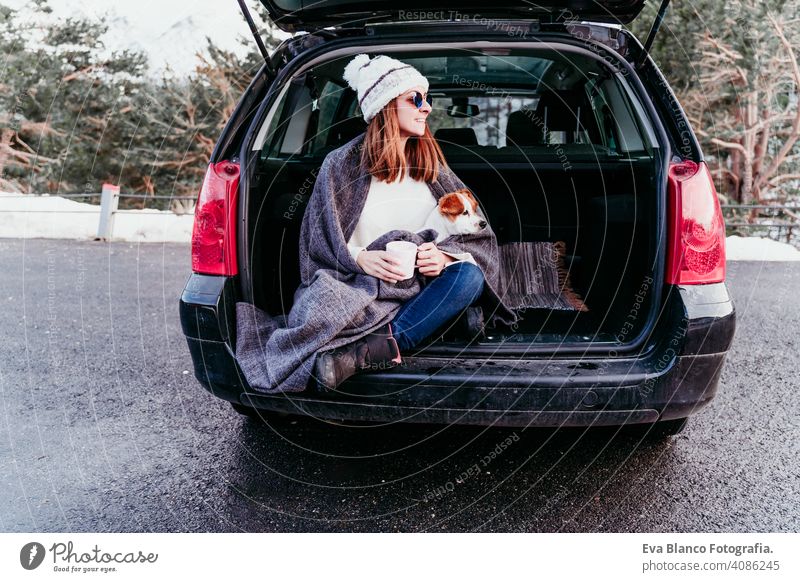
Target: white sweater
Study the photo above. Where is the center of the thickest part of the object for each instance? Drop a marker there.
(403, 205)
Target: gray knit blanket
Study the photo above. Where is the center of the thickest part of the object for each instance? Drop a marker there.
(533, 275)
(337, 302)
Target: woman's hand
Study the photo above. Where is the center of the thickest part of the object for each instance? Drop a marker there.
(380, 264)
(431, 260)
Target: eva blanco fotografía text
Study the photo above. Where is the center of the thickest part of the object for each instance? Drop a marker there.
(757, 548)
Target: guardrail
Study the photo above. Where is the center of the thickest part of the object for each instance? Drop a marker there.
(785, 217)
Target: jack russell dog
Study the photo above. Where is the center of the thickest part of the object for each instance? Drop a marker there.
(456, 213)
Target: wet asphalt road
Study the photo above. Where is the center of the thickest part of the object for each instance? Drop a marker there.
(105, 429)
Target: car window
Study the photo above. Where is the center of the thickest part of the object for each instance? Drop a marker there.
(327, 104)
(267, 134)
(490, 122)
(506, 102)
(290, 121)
(608, 130)
(617, 118)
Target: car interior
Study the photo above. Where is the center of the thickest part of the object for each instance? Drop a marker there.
(555, 146)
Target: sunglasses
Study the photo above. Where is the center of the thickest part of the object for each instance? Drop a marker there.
(418, 99)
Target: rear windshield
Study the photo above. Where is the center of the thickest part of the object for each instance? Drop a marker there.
(496, 104)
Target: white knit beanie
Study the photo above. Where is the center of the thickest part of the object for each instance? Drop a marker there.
(377, 81)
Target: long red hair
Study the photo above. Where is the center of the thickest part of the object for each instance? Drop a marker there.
(383, 158)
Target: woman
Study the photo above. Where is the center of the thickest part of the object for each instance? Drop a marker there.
(402, 157)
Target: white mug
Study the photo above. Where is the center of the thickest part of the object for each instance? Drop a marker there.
(406, 253)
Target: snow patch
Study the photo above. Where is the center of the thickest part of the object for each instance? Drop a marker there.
(56, 217)
(739, 248)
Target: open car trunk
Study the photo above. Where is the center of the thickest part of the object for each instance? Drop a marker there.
(293, 15)
(595, 188)
(603, 209)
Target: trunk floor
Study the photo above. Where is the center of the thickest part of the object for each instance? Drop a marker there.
(545, 326)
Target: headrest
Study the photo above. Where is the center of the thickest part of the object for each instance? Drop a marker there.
(559, 110)
(522, 130)
(456, 136)
(342, 132)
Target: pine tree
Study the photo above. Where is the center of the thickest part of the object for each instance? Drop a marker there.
(734, 66)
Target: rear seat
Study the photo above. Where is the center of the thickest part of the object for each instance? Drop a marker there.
(458, 136)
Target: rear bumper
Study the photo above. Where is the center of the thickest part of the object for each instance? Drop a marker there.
(676, 373)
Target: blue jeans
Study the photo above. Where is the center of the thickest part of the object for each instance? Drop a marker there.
(442, 298)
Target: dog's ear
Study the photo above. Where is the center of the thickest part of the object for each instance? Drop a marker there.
(468, 193)
(451, 205)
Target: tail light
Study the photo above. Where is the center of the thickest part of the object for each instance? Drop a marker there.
(696, 229)
(214, 232)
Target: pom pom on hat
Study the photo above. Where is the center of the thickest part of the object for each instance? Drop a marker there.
(379, 80)
(352, 72)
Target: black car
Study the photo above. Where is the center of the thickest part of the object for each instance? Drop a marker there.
(616, 174)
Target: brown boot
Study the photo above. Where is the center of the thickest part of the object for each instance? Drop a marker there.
(376, 350)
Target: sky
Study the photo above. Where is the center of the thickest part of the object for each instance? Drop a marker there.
(169, 31)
